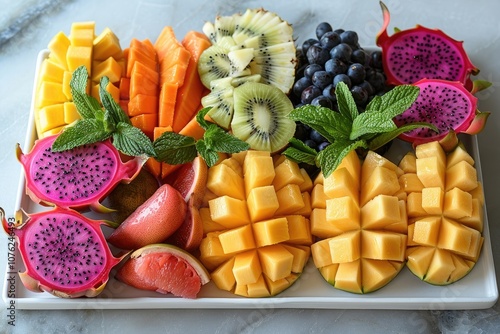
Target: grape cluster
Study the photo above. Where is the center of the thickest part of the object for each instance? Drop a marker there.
(334, 56)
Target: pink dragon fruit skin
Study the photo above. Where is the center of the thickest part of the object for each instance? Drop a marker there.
(78, 178)
(446, 104)
(64, 253)
(414, 54)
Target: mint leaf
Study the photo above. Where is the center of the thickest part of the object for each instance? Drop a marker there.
(86, 105)
(327, 122)
(331, 157)
(86, 131)
(370, 123)
(200, 117)
(384, 138)
(345, 101)
(132, 141)
(209, 155)
(374, 104)
(398, 100)
(300, 152)
(219, 140)
(174, 148)
(116, 112)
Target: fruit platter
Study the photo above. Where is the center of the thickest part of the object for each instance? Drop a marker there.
(232, 168)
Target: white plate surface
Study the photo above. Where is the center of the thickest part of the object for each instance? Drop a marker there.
(475, 291)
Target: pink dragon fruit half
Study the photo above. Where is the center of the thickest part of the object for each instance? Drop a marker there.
(64, 253)
(78, 178)
(414, 54)
(447, 105)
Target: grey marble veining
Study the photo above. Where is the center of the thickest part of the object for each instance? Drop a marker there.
(26, 27)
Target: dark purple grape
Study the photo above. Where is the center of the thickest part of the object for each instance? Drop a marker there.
(376, 59)
(360, 95)
(322, 101)
(339, 31)
(342, 77)
(307, 44)
(322, 146)
(368, 87)
(309, 93)
(377, 80)
(335, 66)
(317, 55)
(342, 52)
(356, 73)
(300, 85)
(301, 132)
(310, 69)
(349, 37)
(323, 28)
(316, 136)
(321, 79)
(359, 56)
(329, 40)
(311, 143)
(329, 92)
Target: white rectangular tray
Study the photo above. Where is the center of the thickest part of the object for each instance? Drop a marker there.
(475, 291)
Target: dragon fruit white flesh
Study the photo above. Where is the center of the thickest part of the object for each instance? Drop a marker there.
(78, 178)
(447, 105)
(414, 54)
(64, 253)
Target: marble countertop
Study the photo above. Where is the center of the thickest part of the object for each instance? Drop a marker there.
(26, 27)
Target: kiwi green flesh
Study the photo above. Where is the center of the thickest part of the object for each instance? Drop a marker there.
(213, 64)
(260, 118)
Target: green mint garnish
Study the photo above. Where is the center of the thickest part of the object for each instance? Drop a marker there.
(175, 148)
(100, 123)
(348, 129)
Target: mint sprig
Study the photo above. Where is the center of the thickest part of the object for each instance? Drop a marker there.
(100, 123)
(175, 148)
(349, 129)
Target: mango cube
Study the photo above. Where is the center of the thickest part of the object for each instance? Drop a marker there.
(276, 261)
(433, 200)
(109, 68)
(383, 245)
(51, 116)
(426, 231)
(223, 181)
(79, 56)
(70, 113)
(340, 183)
(343, 213)
(298, 230)
(246, 267)
(229, 212)
(223, 276)
(106, 45)
(237, 240)
(381, 211)
(262, 203)
(259, 172)
(58, 47)
(461, 175)
(345, 247)
(431, 171)
(290, 199)
(382, 181)
(318, 196)
(288, 172)
(270, 232)
(457, 203)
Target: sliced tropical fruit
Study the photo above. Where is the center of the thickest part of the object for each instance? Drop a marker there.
(165, 269)
(360, 223)
(446, 214)
(256, 243)
(153, 221)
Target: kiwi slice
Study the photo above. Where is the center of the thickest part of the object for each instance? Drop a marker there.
(260, 116)
(213, 64)
(255, 42)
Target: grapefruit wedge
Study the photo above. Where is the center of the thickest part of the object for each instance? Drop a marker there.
(165, 269)
(189, 235)
(153, 221)
(190, 180)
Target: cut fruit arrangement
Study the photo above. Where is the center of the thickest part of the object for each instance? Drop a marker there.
(203, 152)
